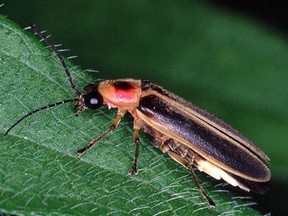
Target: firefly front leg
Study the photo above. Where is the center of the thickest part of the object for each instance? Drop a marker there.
(165, 147)
(112, 127)
(133, 170)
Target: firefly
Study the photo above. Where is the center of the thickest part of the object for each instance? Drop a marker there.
(188, 134)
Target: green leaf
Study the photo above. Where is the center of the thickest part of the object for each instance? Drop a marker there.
(40, 173)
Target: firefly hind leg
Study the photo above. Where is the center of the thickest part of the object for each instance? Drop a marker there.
(166, 147)
(133, 170)
(112, 127)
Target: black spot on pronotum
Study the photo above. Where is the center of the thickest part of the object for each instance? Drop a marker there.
(123, 85)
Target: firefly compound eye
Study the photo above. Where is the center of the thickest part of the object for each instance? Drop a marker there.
(94, 101)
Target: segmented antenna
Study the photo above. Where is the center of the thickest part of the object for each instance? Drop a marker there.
(59, 56)
(71, 100)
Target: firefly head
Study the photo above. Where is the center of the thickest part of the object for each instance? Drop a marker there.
(90, 98)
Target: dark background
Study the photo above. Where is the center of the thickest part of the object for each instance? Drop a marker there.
(141, 39)
(271, 13)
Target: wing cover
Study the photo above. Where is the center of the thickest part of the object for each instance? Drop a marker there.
(222, 150)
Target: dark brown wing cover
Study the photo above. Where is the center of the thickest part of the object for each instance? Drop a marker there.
(166, 112)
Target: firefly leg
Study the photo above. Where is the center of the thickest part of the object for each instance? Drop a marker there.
(200, 188)
(133, 170)
(112, 127)
(164, 147)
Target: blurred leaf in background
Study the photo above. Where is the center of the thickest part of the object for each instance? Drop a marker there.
(225, 63)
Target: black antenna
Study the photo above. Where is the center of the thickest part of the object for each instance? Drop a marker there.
(71, 100)
(59, 56)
